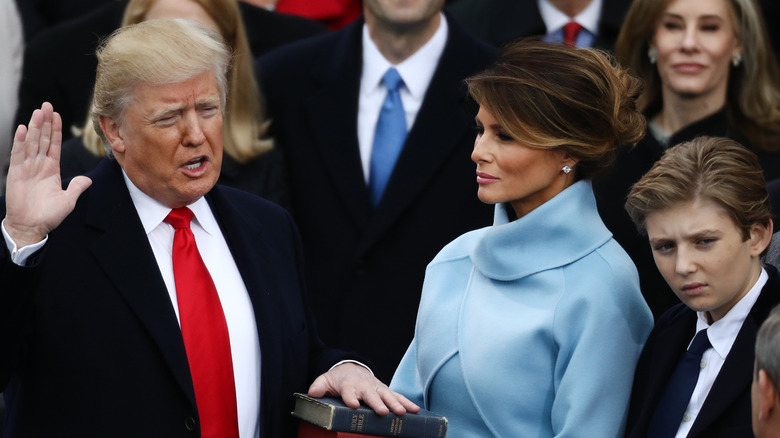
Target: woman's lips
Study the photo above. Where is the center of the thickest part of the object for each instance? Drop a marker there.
(485, 178)
(689, 67)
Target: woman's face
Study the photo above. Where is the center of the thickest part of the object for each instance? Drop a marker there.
(509, 171)
(696, 41)
(701, 253)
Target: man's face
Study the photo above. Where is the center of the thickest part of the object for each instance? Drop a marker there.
(169, 139)
(400, 14)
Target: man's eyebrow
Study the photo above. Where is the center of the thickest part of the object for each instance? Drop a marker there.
(211, 100)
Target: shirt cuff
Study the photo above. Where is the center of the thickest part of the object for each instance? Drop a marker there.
(20, 255)
(355, 362)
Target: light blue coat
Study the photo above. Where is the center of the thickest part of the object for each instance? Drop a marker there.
(533, 327)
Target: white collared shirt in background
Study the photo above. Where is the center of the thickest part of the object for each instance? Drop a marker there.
(554, 20)
(416, 71)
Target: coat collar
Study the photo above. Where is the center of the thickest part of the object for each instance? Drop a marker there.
(546, 238)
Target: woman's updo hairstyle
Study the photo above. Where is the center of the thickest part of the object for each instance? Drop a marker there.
(553, 96)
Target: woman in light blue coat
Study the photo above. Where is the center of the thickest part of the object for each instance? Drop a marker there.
(532, 327)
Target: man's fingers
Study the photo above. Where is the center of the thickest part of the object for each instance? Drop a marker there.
(56, 137)
(77, 186)
(397, 402)
(350, 397)
(46, 129)
(375, 402)
(319, 387)
(17, 151)
(33, 133)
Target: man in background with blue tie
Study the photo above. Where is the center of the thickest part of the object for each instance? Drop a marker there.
(375, 126)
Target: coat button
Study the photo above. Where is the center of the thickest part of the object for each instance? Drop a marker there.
(189, 423)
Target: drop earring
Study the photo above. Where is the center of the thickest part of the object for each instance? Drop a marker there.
(566, 169)
(652, 53)
(736, 59)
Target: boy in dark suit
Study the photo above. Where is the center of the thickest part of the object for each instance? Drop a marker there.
(706, 212)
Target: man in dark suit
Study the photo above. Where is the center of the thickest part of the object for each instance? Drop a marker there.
(501, 21)
(96, 314)
(366, 258)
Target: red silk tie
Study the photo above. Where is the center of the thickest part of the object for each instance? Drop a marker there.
(570, 32)
(205, 333)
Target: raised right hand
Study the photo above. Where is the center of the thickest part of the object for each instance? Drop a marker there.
(35, 201)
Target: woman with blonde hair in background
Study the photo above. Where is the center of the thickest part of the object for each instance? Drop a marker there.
(709, 70)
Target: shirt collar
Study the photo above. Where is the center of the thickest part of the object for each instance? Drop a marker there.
(724, 331)
(152, 213)
(554, 19)
(416, 71)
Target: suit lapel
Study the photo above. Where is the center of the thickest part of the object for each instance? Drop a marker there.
(666, 355)
(332, 113)
(124, 253)
(245, 234)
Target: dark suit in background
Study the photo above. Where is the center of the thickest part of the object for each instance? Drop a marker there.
(91, 342)
(726, 410)
(69, 49)
(501, 21)
(365, 267)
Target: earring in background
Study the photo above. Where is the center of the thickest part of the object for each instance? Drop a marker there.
(652, 53)
(736, 59)
(566, 169)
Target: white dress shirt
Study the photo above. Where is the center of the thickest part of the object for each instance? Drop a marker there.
(416, 71)
(722, 334)
(554, 20)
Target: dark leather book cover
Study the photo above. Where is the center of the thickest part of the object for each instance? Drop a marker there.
(333, 415)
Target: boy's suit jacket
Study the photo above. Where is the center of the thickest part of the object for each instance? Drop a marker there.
(726, 411)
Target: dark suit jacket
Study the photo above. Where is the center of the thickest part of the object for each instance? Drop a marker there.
(365, 266)
(90, 342)
(501, 21)
(726, 411)
(60, 63)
